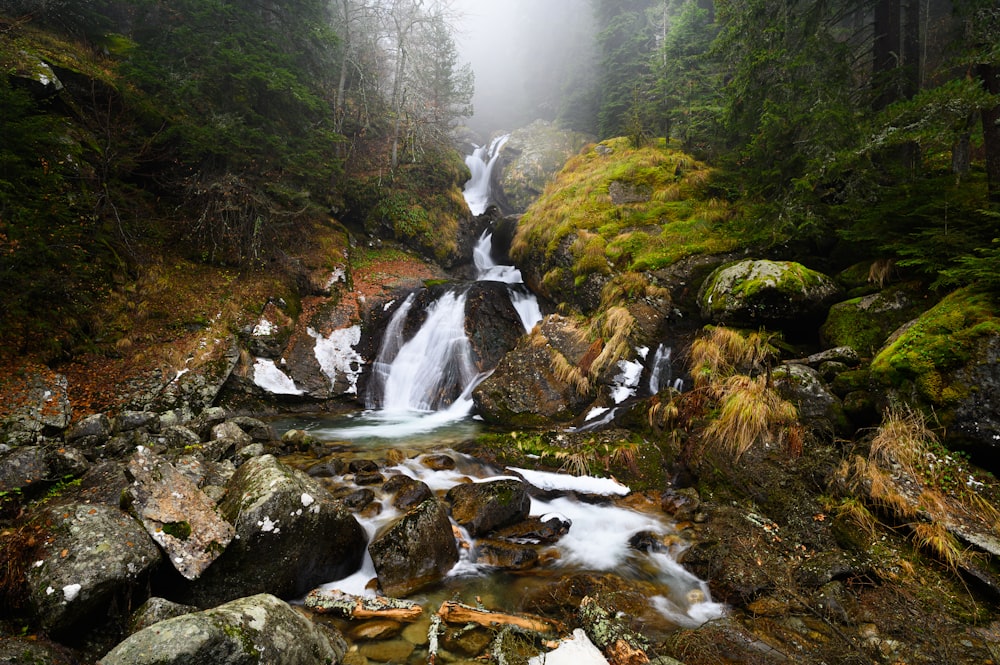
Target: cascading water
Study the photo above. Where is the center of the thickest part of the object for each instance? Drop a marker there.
(481, 163)
(488, 270)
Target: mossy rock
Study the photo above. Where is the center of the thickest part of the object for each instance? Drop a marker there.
(753, 293)
(864, 323)
(947, 362)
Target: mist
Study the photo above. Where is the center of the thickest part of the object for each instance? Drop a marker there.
(531, 60)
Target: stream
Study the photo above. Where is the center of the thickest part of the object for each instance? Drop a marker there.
(419, 404)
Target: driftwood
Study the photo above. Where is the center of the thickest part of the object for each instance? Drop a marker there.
(350, 606)
(452, 612)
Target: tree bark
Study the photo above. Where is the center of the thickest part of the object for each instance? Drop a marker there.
(886, 52)
(452, 612)
(989, 75)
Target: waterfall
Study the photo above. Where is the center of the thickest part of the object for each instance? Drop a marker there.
(480, 163)
(488, 270)
(660, 370)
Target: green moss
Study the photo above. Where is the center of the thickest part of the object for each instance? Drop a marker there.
(942, 340)
(180, 530)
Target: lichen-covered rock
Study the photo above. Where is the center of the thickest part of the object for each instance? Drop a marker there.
(155, 610)
(42, 407)
(23, 468)
(540, 380)
(176, 514)
(34, 650)
(92, 556)
(247, 631)
(291, 536)
(751, 292)
(948, 361)
(529, 159)
(416, 550)
(865, 323)
(483, 507)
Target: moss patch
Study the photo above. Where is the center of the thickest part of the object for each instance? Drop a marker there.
(942, 340)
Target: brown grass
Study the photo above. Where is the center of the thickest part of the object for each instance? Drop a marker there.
(750, 412)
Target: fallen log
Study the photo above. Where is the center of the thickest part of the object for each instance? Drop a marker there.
(349, 606)
(452, 612)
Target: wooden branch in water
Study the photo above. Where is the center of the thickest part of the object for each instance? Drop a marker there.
(452, 612)
(350, 606)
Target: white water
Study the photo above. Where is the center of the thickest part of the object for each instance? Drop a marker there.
(598, 538)
(660, 370)
(481, 163)
(488, 270)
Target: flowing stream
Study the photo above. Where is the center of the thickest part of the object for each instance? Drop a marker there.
(419, 402)
(481, 163)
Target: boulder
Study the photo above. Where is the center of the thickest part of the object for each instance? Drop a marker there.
(23, 468)
(947, 362)
(529, 160)
(42, 407)
(34, 650)
(258, 629)
(819, 409)
(491, 323)
(155, 610)
(92, 557)
(483, 507)
(780, 294)
(506, 555)
(415, 551)
(543, 379)
(176, 514)
(865, 323)
(291, 536)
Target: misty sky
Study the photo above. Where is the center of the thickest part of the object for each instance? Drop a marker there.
(522, 52)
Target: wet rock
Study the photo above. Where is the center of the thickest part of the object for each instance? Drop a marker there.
(379, 629)
(753, 293)
(362, 466)
(387, 651)
(543, 530)
(155, 610)
(291, 536)
(176, 514)
(416, 550)
(358, 499)
(483, 507)
(506, 555)
(409, 492)
(328, 469)
(258, 629)
(491, 323)
(92, 556)
(681, 503)
(468, 641)
(369, 478)
(540, 381)
(438, 462)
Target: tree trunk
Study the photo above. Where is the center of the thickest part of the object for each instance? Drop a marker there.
(886, 52)
(989, 75)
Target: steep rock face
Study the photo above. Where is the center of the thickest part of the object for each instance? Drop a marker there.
(781, 294)
(530, 159)
(542, 380)
(491, 322)
(257, 629)
(948, 361)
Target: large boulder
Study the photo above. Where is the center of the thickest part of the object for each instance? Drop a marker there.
(818, 408)
(483, 507)
(865, 323)
(543, 379)
(291, 535)
(947, 362)
(780, 294)
(176, 514)
(92, 558)
(529, 160)
(416, 550)
(491, 322)
(42, 407)
(247, 631)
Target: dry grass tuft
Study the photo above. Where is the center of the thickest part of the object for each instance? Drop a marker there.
(615, 326)
(934, 539)
(567, 372)
(722, 352)
(902, 439)
(750, 412)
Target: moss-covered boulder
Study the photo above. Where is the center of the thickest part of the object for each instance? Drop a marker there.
(780, 294)
(864, 323)
(948, 361)
(415, 551)
(530, 159)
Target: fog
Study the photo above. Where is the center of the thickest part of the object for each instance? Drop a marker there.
(532, 59)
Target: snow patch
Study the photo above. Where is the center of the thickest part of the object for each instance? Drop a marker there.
(71, 591)
(336, 355)
(266, 375)
(575, 650)
(544, 480)
(263, 328)
(307, 500)
(626, 381)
